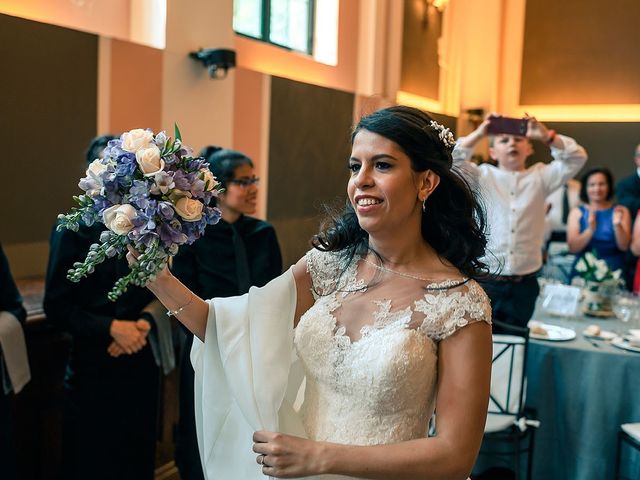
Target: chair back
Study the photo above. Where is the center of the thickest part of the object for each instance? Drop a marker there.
(508, 370)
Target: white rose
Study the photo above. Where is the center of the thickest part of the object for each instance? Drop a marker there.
(190, 210)
(581, 266)
(119, 218)
(149, 160)
(95, 171)
(134, 140)
(208, 179)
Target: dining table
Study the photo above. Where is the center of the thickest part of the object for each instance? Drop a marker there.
(582, 389)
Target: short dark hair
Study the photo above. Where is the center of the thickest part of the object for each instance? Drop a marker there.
(223, 162)
(453, 223)
(583, 186)
(96, 146)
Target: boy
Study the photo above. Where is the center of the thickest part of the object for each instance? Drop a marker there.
(515, 203)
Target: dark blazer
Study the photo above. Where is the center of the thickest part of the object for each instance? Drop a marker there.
(10, 301)
(628, 193)
(111, 404)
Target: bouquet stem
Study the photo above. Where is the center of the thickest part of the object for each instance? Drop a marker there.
(150, 262)
(98, 253)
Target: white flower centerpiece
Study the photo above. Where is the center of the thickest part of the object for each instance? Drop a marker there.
(600, 283)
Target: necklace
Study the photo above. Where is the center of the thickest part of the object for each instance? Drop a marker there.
(402, 274)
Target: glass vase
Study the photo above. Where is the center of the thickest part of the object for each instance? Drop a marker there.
(598, 299)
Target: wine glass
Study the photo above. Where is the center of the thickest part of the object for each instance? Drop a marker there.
(625, 306)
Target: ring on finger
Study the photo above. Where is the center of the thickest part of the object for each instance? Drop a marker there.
(261, 459)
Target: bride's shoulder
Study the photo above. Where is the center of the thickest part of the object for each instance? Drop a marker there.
(321, 263)
(451, 305)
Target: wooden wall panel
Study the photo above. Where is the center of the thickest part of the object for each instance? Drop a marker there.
(308, 152)
(48, 105)
(608, 144)
(420, 69)
(581, 52)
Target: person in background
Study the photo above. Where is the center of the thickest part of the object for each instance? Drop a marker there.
(14, 365)
(559, 204)
(599, 225)
(238, 252)
(515, 198)
(112, 381)
(628, 194)
(628, 189)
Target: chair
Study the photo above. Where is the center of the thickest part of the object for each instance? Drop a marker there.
(629, 433)
(507, 420)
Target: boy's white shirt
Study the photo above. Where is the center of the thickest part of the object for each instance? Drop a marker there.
(515, 204)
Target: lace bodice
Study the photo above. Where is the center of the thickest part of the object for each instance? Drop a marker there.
(378, 387)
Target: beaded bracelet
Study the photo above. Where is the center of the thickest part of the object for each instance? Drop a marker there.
(173, 313)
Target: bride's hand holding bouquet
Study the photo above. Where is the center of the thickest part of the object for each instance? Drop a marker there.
(152, 195)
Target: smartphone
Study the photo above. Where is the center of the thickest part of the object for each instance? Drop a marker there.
(510, 126)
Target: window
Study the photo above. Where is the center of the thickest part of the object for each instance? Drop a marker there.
(286, 23)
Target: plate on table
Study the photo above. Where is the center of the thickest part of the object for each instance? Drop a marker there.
(603, 335)
(624, 344)
(554, 333)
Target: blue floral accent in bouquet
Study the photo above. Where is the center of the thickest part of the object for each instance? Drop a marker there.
(151, 194)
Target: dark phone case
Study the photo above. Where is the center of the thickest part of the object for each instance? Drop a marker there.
(511, 126)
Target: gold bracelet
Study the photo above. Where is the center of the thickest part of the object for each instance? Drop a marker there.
(173, 313)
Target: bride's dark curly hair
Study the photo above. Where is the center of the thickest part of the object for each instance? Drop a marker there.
(453, 222)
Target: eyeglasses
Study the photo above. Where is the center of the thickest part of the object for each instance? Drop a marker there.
(245, 182)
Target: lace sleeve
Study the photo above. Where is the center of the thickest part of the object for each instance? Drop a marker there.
(325, 269)
(446, 311)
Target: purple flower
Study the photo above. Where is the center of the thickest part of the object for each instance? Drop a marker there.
(163, 183)
(145, 238)
(165, 209)
(139, 194)
(185, 151)
(126, 166)
(160, 139)
(170, 233)
(182, 181)
(197, 188)
(197, 163)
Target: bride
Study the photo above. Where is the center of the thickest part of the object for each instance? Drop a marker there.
(390, 326)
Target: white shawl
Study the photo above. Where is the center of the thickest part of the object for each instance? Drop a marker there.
(247, 377)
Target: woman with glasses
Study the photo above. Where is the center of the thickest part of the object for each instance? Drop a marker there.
(238, 252)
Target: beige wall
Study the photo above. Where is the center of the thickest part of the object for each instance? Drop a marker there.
(251, 126)
(105, 17)
(136, 101)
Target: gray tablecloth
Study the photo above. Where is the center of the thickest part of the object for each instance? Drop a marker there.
(582, 391)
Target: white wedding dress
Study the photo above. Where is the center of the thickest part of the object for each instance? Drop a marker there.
(373, 385)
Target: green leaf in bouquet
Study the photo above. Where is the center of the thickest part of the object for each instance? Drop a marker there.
(177, 132)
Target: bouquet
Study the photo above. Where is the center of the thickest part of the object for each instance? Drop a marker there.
(596, 270)
(151, 194)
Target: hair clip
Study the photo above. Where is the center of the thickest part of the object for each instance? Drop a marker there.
(444, 134)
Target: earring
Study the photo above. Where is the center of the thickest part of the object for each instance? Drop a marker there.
(424, 204)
